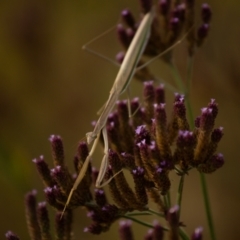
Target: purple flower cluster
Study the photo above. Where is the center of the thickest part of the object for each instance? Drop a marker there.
(149, 145)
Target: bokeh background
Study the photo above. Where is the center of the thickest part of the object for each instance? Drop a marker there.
(48, 85)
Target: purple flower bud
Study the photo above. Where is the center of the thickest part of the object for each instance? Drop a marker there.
(197, 122)
(135, 104)
(149, 91)
(109, 212)
(122, 109)
(174, 25)
(115, 161)
(141, 134)
(125, 231)
(137, 118)
(100, 197)
(44, 171)
(82, 151)
(138, 171)
(207, 119)
(128, 18)
(111, 127)
(94, 174)
(160, 115)
(62, 177)
(11, 236)
(159, 170)
(179, 12)
(30, 200)
(142, 145)
(164, 6)
(94, 228)
(217, 134)
(160, 94)
(54, 196)
(172, 216)
(214, 106)
(128, 160)
(217, 161)
(157, 231)
(42, 206)
(203, 31)
(57, 172)
(185, 138)
(123, 36)
(122, 185)
(164, 164)
(57, 149)
(120, 57)
(138, 177)
(93, 123)
(206, 13)
(177, 96)
(96, 216)
(197, 235)
(179, 108)
(43, 220)
(50, 196)
(146, 5)
(113, 131)
(162, 180)
(130, 33)
(31, 214)
(212, 164)
(149, 235)
(149, 99)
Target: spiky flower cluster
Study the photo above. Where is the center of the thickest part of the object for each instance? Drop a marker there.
(149, 145)
(173, 20)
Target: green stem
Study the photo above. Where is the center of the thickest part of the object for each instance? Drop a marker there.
(191, 121)
(188, 90)
(189, 113)
(156, 213)
(202, 176)
(141, 222)
(189, 75)
(138, 214)
(207, 206)
(166, 201)
(183, 235)
(179, 194)
(137, 221)
(169, 199)
(177, 78)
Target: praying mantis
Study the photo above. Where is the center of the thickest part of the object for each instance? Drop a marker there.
(121, 83)
(123, 79)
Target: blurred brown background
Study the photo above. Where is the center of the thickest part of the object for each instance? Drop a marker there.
(48, 85)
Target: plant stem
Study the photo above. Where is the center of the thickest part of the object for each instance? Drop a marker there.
(188, 91)
(179, 83)
(207, 206)
(179, 194)
(156, 213)
(183, 235)
(177, 78)
(141, 222)
(138, 214)
(166, 202)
